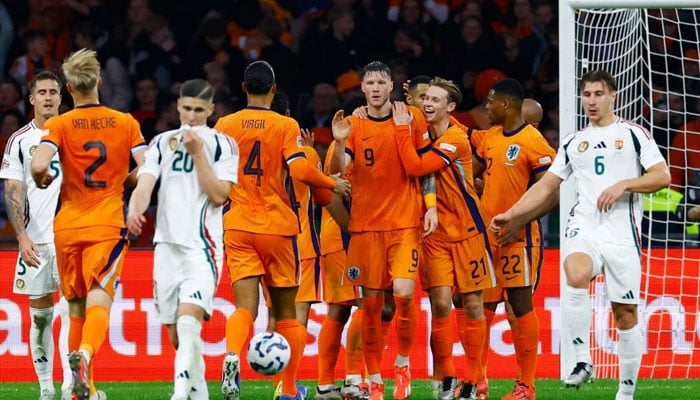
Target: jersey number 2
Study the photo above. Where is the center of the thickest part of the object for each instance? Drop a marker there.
(254, 164)
(101, 158)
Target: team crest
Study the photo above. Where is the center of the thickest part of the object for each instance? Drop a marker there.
(512, 152)
(19, 283)
(172, 143)
(583, 146)
(353, 273)
(619, 143)
(32, 150)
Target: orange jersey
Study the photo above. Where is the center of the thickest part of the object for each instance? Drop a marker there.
(450, 159)
(332, 238)
(268, 143)
(94, 144)
(512, 160)
(308, 241)
(384, 197)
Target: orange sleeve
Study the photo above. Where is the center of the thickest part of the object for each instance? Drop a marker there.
(301, 169)
(52, 132)
(322, 197)
(414, 164)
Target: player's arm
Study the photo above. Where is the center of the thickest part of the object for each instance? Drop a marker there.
(322, 197)
(15, 201)
(341, 130)
(303, 171)
(140, 198)
(338, 212)
(538, 200)
(40, 165)
(413, 164)
(656, 177)
(215, 188)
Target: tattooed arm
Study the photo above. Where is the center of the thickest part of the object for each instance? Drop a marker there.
(430, 220)
(15, 198)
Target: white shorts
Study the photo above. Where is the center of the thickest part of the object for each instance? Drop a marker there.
(37, 281)
(621, 265)
(185, 275)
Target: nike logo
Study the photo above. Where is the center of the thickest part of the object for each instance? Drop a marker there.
(510, 278)
(489, 148)
(477, 283)
(365, 138)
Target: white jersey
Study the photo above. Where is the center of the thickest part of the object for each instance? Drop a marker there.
(40, 207)
(185, 216)
(599, 157)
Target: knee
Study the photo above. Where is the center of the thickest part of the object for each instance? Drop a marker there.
(625, 316)
(441, 307)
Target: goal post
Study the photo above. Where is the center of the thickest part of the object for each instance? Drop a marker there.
(650, 47)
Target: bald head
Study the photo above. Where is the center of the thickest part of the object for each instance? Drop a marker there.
(531, 110)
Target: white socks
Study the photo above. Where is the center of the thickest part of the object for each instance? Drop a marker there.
(188, 354)
(41, 345)
(577, 308)
(199, 389)
(67, 384)
(629, 351)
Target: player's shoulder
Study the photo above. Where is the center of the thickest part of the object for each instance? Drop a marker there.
(632, 127)
(455, 133)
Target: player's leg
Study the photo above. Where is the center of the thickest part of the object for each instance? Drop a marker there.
(581, 263)
(403, 258)
(63, 349)
(623, 273)
(39, 285)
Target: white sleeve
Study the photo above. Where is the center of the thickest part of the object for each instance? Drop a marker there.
(649, 153)
(561, 166)
(226, 167)
(12, 167)
(152, 158)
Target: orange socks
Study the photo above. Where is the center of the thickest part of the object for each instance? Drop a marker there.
(372, 332)
(75, 333)
(94, 329)
(328, 348)
(354, 351)
(295, 333)
(490, 315)
(526, 340)
(441, 337)
(238, 326)
(405, 323)
(474, 332)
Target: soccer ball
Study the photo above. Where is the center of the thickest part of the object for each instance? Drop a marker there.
(268, 353)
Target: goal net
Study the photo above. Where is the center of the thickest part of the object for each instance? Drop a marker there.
(653, 54)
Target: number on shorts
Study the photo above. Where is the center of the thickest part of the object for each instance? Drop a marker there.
(22, 267)
(414, 261)
(510, 265)
(101, 158)
(478, 268)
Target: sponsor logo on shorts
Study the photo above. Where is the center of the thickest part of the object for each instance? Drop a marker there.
(354, 273)
(20, 283)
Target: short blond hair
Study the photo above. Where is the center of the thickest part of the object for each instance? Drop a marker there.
(82, 70)
(454, 94)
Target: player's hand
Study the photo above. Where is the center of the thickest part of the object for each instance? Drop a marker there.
(430, 221)
(400, 113)
(307, 137)
(342, 186)
(29, 251)
(405, 86)
(504, 228)
(340, 126)
(134, 222)
(46, 181)
(610, 196)
(479, 186)
(360, 112)
(694, 213)
(193, 143)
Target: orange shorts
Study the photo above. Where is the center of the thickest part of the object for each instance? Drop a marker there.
(375, 259)
(335, 289)
(89, 257)
(465, 265)
(310, 287)
(516, 266)
(274, 258)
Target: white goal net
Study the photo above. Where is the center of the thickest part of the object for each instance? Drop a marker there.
(653, 54)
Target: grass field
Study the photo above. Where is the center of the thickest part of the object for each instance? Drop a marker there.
(603, 389)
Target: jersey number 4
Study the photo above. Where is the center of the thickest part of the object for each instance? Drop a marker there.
(254, 164)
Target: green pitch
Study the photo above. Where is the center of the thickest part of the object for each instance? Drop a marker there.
(547, 389)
